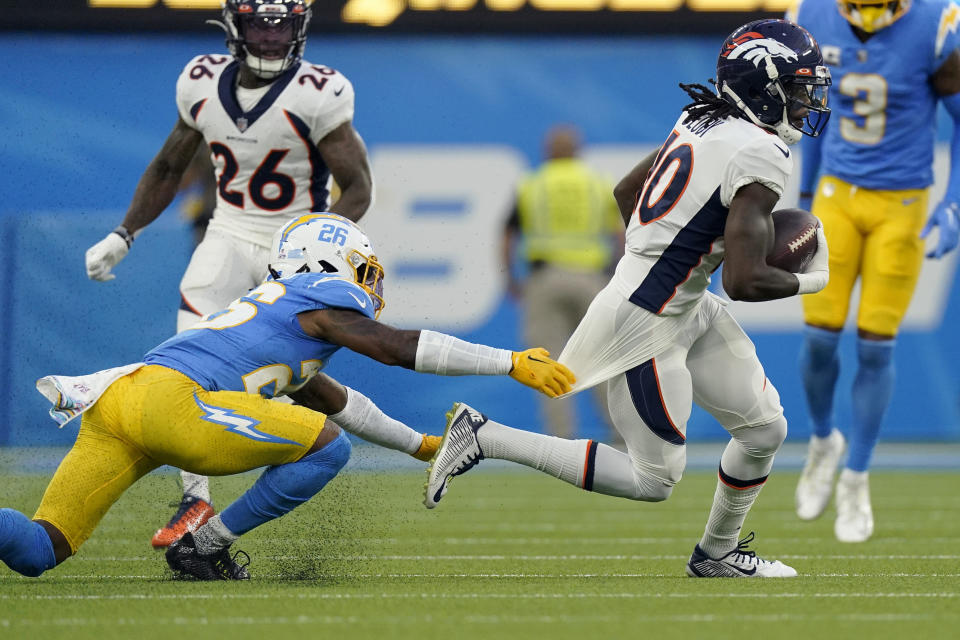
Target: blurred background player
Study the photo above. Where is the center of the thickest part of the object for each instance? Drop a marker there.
(892, 62)
(277, 128)
(199, 401)
(656, 333)
(571, 233)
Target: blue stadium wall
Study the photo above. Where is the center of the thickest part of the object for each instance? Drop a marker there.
(84, 115)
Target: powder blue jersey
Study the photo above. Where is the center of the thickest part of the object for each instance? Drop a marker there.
(883, 121)
(256, 344)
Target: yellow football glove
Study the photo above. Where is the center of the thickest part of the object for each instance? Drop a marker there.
(536, 369)
(428, 448)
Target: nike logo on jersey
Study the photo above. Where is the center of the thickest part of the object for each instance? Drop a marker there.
(786, 153)
(362, 303)
(337, 92)
(909, 201)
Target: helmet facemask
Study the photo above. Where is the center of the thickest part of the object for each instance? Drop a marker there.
(872, 15)
(268, 36)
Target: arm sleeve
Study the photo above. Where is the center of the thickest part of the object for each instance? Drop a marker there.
(760, 160)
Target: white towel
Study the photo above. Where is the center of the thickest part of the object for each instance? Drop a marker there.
(72, 395)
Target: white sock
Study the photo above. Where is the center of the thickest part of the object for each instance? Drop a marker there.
(741, 478)
(213, 536)
(563, 459)
(196, 486)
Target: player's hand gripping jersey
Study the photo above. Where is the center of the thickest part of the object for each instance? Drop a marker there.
(675, 236)
(256, 344)
(263, 142)
(884, 107)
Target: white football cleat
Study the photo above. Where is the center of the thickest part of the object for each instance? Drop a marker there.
(816, 481)
(739, 563)
(459, 452)
(854, 516)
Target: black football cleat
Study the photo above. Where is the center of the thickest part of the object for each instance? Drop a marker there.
(187, 563)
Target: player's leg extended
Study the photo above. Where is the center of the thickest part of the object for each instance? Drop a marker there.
(892, 259)
(825, 313)
(220, 270)
(99, 467)
(226, 432)
(748, 406)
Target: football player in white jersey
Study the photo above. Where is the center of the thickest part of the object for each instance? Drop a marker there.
(278, 128)
(655, 332)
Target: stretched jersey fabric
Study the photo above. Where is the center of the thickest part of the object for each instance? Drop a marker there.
(674, 239)
(268, 166)
(882, 128)
(256, 344)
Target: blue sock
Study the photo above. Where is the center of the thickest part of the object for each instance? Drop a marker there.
(820, 367)
(872, 390)
(25, 546)
(282, 488)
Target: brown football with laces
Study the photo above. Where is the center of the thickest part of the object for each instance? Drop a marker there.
(794, 239)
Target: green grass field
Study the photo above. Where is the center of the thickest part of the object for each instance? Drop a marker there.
(507, 554)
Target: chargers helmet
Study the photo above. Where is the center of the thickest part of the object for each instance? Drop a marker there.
(872, 15)
(330, 244)
(266, 35)
(773, 73)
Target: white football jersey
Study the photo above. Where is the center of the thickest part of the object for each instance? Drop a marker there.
(266, 158)
(675, 236)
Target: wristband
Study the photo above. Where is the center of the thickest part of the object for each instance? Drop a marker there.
(126, 235)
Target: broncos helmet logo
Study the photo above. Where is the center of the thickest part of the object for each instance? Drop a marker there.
(753, 47)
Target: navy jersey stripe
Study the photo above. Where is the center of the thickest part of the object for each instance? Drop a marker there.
(195, 109)
(678, 260)
(645, 392)
(320, 173)
(228, 97)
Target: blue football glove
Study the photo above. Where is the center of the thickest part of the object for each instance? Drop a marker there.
(945, 218)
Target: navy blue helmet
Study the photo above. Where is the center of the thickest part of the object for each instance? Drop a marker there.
(773, 73)
(266, 35)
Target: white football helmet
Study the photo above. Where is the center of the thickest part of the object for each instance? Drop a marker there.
(330, 244)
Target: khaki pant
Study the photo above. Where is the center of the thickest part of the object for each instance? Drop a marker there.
(555, 299)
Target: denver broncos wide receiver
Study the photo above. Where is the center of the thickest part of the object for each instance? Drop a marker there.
(277, 128)
(199, 402)
(656, 334)
(892, 62)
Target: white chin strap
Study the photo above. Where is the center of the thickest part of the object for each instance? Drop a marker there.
(784, 130)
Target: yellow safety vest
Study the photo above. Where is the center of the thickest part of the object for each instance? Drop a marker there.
(567, 215)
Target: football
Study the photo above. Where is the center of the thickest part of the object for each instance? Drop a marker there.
(794, 239)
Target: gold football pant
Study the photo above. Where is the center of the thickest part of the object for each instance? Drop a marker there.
(874, 235)
(157, 416)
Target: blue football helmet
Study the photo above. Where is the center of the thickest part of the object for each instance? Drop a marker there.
(773, 73)
(266, 35)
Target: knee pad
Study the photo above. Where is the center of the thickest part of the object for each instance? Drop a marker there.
(25, 546)
(762, 440)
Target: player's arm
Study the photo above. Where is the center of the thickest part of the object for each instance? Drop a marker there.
(748, 238)
(357, 414)
(433, 352)
(345, 154)
(946, 215)
(629, 186)
(157, 187)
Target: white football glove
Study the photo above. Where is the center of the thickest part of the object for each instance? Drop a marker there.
(817, 273)
(104, 255)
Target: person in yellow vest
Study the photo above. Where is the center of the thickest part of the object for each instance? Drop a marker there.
(571, 234)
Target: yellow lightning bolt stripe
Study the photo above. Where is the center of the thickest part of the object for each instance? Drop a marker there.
(949, 21)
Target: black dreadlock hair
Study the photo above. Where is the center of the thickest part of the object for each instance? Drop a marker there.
(706, 105)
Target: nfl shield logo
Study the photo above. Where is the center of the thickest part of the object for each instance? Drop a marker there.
(242, 124)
